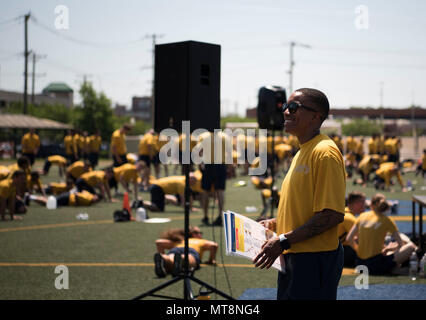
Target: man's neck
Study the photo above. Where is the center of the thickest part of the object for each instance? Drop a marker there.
(308, 136)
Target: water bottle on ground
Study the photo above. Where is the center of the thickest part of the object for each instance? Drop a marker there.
(51, 203)
(414, 264)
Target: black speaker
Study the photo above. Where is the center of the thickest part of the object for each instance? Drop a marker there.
(269, 108)
(187, 85)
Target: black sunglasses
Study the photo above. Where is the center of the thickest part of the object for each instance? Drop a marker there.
(293, 106)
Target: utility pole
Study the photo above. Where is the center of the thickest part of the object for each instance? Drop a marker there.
(154, 38)
(35, 57)
(26, 54)
(290, 72)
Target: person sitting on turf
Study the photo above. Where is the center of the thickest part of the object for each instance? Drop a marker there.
(371, 227)
(174, 241)
(74, 199)
(355, 206)
(76, 169)
(162, 188)
(9, 189)
(57, 160)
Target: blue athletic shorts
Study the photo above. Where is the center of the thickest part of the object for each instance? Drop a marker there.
(379, 264)
(191, 251)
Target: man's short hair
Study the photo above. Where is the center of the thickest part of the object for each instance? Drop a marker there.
(355, 196)
(318, 98)
(127, 127)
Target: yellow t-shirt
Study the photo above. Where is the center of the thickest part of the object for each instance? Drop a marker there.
(385, 172)
(372, 230)
(30, 142)
(94, 178)
(59, 160)
(127, 171)
(172, 184)
(83, 198)
(196, 187)
(315, 181)
(69, 145)
(365, 165)
(224, 144)
(194, 243)
(373, 146)
(7, 189)
(346, 226)
(4, 172)
(118, 141)
(76, 169)
(283, 151)
(145, 143)
(95, 143)
(58, 187)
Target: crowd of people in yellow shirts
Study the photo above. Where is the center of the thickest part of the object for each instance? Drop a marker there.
(378, 157)
(376, 161)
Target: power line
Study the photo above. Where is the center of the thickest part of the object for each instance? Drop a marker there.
(79, 41)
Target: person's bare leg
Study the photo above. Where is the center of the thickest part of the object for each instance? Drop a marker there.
(404, 253)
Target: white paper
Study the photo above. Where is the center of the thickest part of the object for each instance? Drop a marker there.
(244, 237)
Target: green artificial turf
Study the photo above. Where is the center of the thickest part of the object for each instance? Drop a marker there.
(108, 260)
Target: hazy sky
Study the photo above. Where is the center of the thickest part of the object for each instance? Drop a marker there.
(354, 51)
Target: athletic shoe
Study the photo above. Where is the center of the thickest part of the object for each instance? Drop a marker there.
(160, 269)
(177, 265)
(205, 221)
(218, 221)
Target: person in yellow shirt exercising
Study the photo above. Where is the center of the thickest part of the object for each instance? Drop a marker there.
(384, 175)
(75, 170)
(9, 189)
(173, 240)
(57, 160)
(30, 145)
(72, 199)
(92, 180)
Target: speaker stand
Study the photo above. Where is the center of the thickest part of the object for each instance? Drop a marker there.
(187, 276)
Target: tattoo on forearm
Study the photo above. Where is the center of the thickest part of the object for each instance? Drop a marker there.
(317, 225)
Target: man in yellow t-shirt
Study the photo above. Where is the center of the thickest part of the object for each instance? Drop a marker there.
(70, 147)
(356, 206)
(75, 170)
(95, 142)
(161, 188)
(72, 199)
(90, 181)
(30, 145)
(312, 204)
(146, 152)
(126, 174)
(384, 175)
(118, 145)
(57, 160)
(8, 193)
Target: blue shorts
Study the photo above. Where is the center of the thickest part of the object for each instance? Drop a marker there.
(191, 251)
(311, 275)
(379, 264)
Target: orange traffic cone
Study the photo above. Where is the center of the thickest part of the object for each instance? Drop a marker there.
(126, 205)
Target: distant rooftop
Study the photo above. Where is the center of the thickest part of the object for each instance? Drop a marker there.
(20, 121)
(57, 87)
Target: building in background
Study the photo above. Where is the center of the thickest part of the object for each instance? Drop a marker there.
(54, 93)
